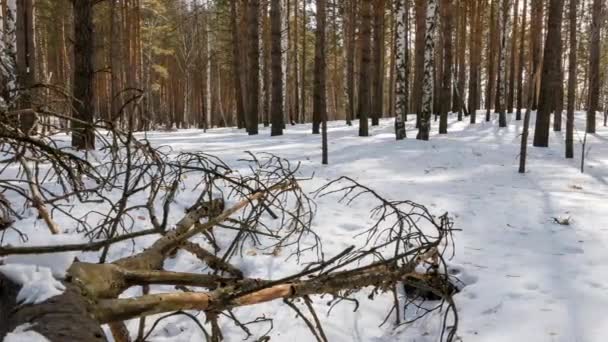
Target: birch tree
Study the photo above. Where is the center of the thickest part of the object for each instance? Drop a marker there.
(402, 68)
(427, 80)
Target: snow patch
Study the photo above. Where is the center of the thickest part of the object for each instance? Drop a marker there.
(37, 282)
(23, 333)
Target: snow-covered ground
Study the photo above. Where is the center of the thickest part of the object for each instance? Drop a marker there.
(528, 278)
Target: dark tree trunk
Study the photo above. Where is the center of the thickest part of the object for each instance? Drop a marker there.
(491, 57)
(420, 9)
(26, 67)
(253, 87)
(550, 74)
(277, 70)
(536, 25)
(447, 60)
(512, 72)
(83, 136)
(475, 58)
(378, 69)
(320, 102)
(364, 72)
(594, 64)
(571, 80)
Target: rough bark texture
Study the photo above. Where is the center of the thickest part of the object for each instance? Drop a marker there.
(378, 69)
(427, 84)
(83, 136)
(364, 72)
(521, 63)
(320, 101)
(253, 86)
(550, 74)
(421, 10)
(26, 59)
(277, 71)
(571, 80)
(402, 68)
(63, 318)
(502, 69)
(594, 65)
(536, 25)
(475, 58)
(447, 60)
(236, 65)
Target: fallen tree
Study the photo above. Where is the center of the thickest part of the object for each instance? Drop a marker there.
(264, 207)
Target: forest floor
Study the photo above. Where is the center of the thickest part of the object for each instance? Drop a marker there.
(528, 277)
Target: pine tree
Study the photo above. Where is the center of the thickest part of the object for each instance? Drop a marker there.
(277, 71)
(550, 74)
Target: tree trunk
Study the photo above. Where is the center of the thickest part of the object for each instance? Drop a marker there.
(364, 72)
(83, 136)
(491, 57)
(26, 61)
(320, 102)
(511, 88)
(475, 58)
(402, 68)
(419, 58)
(594, 64)
(521, 63)
(378, 69)
(536, 25)
(550, 74)
(502, 70)
(427, 84)
(65, 317)
(571, 80)
(277, 71)
(253, 87)
(447, 60)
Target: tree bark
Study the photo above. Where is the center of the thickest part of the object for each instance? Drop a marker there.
(571, 80)
(66, 317)
(364, 72)
(550, 74)
(320, 90)
(277, 70)
(253, 87)
(378, 58)
(83, 136)
(427, 84)
(447, 60)
(594, 65)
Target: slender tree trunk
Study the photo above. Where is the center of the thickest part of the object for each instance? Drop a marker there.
(253, 22)
(475, 58)
(277, 70)
(26, 61)
(536, 25)
(502, 70)
(594, 65)
(419, 58)
(303, 77)
(571, 80)
(378, 58)
(402, 68)
(320, 94)
(447, 60)
(491, 57)
(427, 84)
(550, 74)
(521, 63)
(364, 72)
(83, 136)
(512, 72)
(462, 38)
(236, 65)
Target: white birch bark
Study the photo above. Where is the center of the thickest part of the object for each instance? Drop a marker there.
(429, 61)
